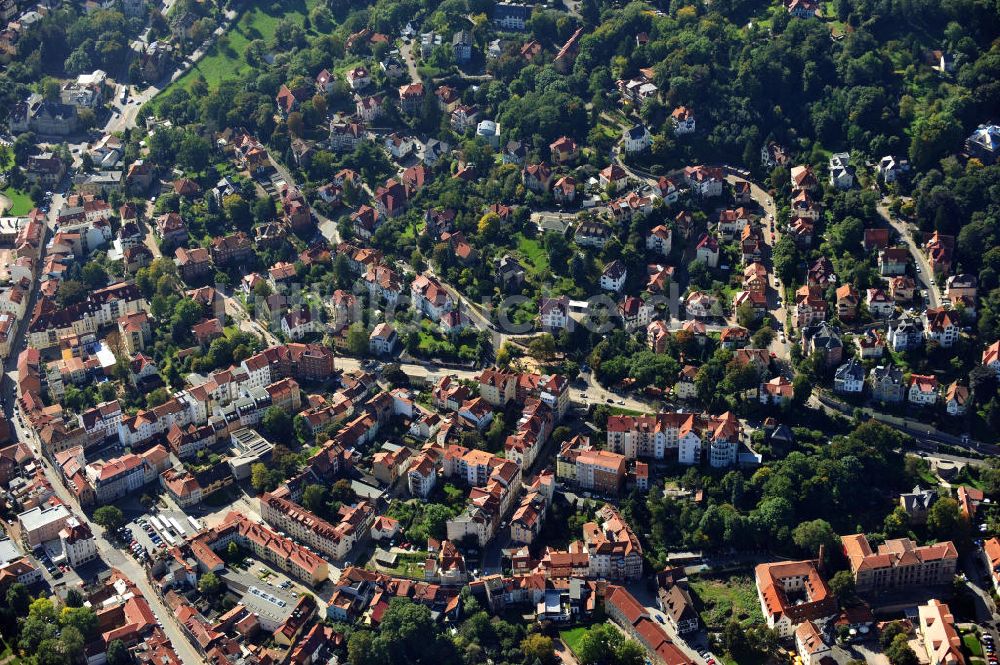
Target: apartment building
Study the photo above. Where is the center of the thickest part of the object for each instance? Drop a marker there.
(600, 471)
(614, 549)
(273, 548)
(899, 563)
(336, 541)
(695, 437)
(792, 592)
(103, 307)
(123, 475)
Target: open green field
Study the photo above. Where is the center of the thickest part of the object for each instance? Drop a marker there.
(718, 599)
(534, 254)
(572, 637)
(21, 203)
(228, 61)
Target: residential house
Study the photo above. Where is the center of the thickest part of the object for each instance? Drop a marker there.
(880, 305)
(564, 151)
(778, 391)
(887, 384)
(941, 326)
(358, 78)
(659, 240)
(684, 121)
(636, 139)
(923, 390)
(554, 313)
(849, 378)
(707, 251)
(564, 191)
(893, 261)
(826, 340)
(810, 306)
(902, 288)
(614, 276)
(592, 233)
(537, 177)
(848, 300)
(841, 171)
(704, 181)
(956, 399)
(411, 98)
(612, 177)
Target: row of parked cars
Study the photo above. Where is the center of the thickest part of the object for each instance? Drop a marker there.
(56, 571)
(990, 648)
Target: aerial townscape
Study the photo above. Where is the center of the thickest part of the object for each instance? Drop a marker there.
(504, 332)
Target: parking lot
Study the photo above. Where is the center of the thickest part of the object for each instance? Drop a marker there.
(156, 530)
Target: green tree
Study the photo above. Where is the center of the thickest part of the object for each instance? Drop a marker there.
(238, 211)
(786, 258)
(945, 520)
(598, 645)
(810, 536)
(260, 477)
(109, 517)
(18, 599)
(276, 424)
(81, 618)
(357, 339)
(71, 292)
(118, 653)
(900, 652)
(842, 585)
(314, 498)
(542, 347)
(539, 648)
(210, 585)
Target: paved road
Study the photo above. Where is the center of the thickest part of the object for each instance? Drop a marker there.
(922, 432)
(115, 558)
(406, 52)
(924, 277)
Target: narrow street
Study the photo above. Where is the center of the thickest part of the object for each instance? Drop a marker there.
(115, 557)
(925, 275)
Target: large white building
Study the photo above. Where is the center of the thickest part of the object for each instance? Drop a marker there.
(78, 543)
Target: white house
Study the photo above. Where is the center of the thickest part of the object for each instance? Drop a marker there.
(383, 340)
(849, 378)
(659, 240)
(923, 390)
(701, 305)
(841, 171)
(880, 305)
(637, 139)
(554, 313)
(707, 251)
(358, 78)
(613, 277)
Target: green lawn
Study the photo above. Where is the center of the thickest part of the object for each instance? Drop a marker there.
(972, 645)
(718, 599)
(21, 202)
(573, 636)
(534, 254)
(407, 565)
(229, 61)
